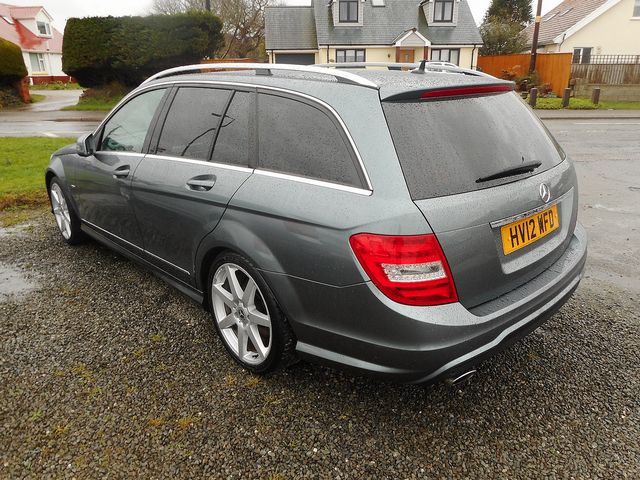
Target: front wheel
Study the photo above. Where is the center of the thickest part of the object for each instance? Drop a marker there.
(66, 219)
(247, 317)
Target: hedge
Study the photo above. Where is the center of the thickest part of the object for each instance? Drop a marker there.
(101, 50)
(12, 66)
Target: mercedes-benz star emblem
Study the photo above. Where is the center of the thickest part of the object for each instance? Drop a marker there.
(545, 192)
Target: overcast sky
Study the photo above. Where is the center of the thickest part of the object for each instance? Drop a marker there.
(63, 9)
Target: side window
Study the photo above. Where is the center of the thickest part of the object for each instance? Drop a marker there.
(299, 139)
(192, 122)
(234, 139)
(127, 129)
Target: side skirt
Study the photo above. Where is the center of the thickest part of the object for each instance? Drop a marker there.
(195, 295)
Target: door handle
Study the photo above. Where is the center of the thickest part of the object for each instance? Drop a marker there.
(122, 172)
(202, 183)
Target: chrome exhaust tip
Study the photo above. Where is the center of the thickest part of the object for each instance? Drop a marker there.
(460, 379)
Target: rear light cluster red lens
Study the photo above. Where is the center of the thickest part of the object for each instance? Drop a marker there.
(408, 269)
(464, 91)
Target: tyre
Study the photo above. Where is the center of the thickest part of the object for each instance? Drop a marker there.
(246, 315)
(66, 218)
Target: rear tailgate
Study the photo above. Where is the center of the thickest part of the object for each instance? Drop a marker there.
(496, 233)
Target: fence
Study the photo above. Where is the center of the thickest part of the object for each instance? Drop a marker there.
(552, 68)
(617, 59)
(607, 73)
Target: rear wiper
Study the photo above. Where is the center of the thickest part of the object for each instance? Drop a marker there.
(511, 172)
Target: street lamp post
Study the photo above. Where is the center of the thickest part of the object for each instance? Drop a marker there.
(534, 42)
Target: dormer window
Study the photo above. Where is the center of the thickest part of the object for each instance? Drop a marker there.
(348, 11)
(44, 29)
(443, 11)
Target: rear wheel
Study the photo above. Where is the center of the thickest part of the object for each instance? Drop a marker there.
(247, 317)
(66, 219)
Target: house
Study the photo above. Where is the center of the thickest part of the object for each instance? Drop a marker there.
(339, 31)
(590, 28)
(30, 28)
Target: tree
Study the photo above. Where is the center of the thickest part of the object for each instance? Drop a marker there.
(502, 37)
(511, 11)
(101, 50)
(12, 68)
(243, 25)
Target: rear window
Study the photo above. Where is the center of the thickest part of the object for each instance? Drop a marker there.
(444, 146)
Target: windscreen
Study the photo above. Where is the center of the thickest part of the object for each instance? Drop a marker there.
(446, 146)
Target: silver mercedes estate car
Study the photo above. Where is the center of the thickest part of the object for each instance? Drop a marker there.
(405, 224)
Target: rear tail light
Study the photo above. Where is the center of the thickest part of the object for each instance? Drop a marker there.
(408, 269)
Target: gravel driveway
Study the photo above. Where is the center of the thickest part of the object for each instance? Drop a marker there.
(105, 370)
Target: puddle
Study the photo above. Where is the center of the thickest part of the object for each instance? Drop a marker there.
(13, 282)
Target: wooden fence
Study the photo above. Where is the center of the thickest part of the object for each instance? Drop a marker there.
(552, 68)
(607, 74)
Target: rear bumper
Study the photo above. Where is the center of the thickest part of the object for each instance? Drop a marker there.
(358, 328)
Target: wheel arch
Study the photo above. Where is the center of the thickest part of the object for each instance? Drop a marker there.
(232, 236)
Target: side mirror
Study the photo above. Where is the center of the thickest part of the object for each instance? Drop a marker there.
(85, 145)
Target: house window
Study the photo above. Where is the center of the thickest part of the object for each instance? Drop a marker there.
(451, 55)
(37, 62)
(636, 9)
(582, 55)
(44, 28)
(348, 11)
(443, 11)
(343, 56)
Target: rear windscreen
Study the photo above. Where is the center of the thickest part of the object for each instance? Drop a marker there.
(445, 146)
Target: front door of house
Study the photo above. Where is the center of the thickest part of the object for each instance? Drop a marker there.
(406, 56)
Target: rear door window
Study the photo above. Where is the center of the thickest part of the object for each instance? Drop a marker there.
(192, 121)
(445, 146)
(235, 137)
(300, 139)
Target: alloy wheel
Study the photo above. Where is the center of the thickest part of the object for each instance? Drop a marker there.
(61, 210)
(241, 313)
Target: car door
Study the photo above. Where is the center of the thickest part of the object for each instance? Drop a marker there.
(181, 190)
(103, 180)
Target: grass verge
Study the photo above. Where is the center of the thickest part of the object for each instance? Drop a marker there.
(100, 98)
(584, 104)
(37, 98)
(23, 162)
(94, 104)
(56, 86)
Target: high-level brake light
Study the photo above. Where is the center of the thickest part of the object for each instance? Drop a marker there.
(465, 91)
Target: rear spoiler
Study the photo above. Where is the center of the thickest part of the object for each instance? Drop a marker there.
(452, 92)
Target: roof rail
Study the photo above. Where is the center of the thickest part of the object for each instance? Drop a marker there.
(265, 69)
(431, 65)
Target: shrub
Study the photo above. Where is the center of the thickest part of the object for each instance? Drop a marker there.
(101, 50)
(9, 97)
(12, 68)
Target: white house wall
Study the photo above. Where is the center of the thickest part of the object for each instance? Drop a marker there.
(615, 32)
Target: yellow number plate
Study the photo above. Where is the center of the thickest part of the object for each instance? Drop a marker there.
(524, 232)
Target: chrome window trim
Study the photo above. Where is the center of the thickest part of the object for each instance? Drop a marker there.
(520, 216)
(265, 87)
(120, 153)
(313, 181)
(226, 166)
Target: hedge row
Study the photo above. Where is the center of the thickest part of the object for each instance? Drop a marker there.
(101, 50)
(12, 66)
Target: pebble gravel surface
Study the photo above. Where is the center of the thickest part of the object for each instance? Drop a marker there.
(106, 371)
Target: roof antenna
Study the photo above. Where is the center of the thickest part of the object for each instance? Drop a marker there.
(421, 68)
